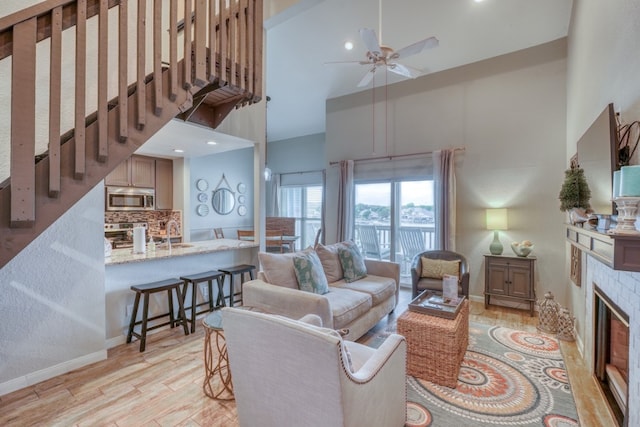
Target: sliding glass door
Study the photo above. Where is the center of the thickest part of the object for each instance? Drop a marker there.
(394, 219)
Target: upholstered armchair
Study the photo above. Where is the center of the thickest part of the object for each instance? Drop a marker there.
(430, 276)
(292, 373)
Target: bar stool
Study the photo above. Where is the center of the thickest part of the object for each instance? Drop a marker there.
(146, 289)
(193, 280)
(241, 269)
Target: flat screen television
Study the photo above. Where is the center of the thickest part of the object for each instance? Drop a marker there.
(598, 157)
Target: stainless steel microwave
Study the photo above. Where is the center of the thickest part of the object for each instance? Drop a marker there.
(130, 199)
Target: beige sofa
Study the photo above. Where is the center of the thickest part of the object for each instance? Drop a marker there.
(355, 306)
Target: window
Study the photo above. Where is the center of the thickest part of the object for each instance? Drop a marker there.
(303, 202)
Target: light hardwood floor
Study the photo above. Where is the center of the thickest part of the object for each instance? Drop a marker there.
(163, 385)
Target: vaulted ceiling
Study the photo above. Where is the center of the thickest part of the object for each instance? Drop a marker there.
(303, 37)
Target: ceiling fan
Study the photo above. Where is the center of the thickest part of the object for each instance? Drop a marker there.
(379, 55)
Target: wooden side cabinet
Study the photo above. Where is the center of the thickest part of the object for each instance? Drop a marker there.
(510, 278)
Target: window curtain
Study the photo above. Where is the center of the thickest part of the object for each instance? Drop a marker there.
(273, 193)
(445, 198)
(346, 206)
(323, 213)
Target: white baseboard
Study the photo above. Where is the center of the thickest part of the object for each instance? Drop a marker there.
(50, 372)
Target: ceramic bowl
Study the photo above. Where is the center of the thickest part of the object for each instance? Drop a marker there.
(521, 250)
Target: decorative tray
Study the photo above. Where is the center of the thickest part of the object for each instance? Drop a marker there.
(433, 304)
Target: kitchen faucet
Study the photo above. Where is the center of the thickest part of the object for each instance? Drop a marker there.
(169, 224)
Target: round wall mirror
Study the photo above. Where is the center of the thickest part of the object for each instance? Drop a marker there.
(223, 201)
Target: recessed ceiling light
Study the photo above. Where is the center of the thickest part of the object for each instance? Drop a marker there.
(478, 1)
(348, 45)
(211, 142)
(177, 150)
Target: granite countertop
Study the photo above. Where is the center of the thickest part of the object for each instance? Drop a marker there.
(126, 255)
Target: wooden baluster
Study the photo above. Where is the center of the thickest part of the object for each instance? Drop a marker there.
(157, 55)
(55, 73)
(200, 41)
(242, 50)
(123, 73)
(250, 47)
(212, 41)
(141, 89)
(173, 50)
(80, 89)
(103, 82)
(257, 51)
(222, 42)
(187, 44)
(23, 124)
(233, 41)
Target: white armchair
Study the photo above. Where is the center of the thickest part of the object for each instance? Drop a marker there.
(291, 373)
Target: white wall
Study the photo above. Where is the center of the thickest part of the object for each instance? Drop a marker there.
(306, 153)
(602, 67)
(509, 115)
(53, 302)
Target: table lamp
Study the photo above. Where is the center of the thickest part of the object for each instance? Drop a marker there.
(496, 221)
(626, 194)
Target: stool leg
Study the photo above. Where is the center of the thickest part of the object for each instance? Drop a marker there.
(172, 319)
(210, 287)
(145, 312)
(194, 306)
(182, 315)
(220, 300)
(134, 313)
(231, 293)
(251, 274)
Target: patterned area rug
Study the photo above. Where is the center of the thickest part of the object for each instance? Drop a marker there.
(507, 378)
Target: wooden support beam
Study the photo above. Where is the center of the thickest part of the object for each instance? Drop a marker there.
(55, 75)
(103, 81)
(157, 56)
(141, 73)
(187, 45)
(173, 49)
(200, 41)
(80, 89)
(23, 125)
(123, 71)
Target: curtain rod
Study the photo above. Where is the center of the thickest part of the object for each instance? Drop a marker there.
(301, 172)
(397, 156)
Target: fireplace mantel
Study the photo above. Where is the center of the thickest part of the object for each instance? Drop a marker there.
(620, 252)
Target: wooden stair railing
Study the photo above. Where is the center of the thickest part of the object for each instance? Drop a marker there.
(222, 69)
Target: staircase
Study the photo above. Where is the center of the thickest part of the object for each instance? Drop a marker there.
(206, 60)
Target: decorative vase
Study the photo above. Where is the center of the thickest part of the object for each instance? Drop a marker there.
(566, 325)
(548, 314)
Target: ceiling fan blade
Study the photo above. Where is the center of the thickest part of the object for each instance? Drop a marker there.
(367, 77)
(404, 70)
(416, 47)
(370, 40)
(399, 69)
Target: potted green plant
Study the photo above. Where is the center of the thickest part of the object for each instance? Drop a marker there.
(575, 193)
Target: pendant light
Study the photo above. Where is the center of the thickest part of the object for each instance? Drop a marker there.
(267, 170)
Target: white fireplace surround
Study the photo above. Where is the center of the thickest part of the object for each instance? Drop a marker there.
(623, 289)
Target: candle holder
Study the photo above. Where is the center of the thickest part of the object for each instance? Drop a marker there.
(627, 211)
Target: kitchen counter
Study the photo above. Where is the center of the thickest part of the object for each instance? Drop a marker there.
(126, 255)
(124, 269)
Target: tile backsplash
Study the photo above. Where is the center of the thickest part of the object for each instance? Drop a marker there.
(157, 220)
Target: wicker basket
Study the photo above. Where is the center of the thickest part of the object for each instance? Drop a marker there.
(566, 325)
(548, 310)
(435, 346)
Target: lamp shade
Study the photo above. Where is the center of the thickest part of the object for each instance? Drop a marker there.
(497, 219)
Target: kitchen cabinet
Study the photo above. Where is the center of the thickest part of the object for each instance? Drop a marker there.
(164, 184)
(136, 171)
(511, 278)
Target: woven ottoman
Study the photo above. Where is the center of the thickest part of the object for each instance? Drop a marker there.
(435, 346)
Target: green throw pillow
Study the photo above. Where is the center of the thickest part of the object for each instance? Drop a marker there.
(310, 275)
(352, 262)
